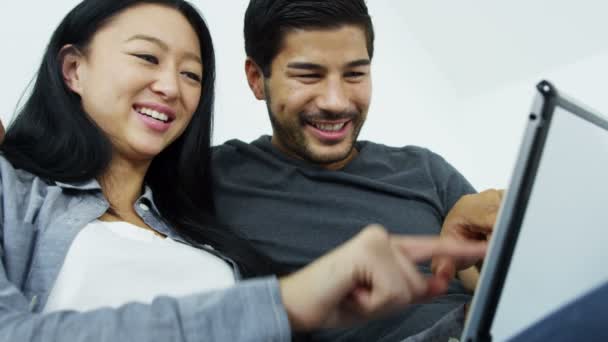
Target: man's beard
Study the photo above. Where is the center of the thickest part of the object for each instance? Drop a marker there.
(291, 135)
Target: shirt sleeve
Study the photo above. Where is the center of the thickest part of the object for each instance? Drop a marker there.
(450, 183)
(249, 311)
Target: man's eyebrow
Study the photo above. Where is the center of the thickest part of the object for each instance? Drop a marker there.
(305, 66)
(163, 45)
(359, 62)
(314, 66)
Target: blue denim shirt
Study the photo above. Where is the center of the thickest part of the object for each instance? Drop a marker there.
(38, 222)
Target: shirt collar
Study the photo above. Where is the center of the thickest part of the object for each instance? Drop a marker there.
(91, 184)
(149, 197)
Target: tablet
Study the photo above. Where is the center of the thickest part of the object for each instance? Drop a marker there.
(549, 244)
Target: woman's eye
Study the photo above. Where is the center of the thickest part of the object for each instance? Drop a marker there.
(192, 76)
(147, 58)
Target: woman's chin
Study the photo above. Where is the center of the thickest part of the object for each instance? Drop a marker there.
(141, 153)
(149, 153)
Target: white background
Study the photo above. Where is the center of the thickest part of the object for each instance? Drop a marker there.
(454, 76)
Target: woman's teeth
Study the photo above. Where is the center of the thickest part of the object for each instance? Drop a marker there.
(153, 114)
(329, 127)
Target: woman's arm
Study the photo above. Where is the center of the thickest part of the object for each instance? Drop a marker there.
(372, 274)
(250, 311)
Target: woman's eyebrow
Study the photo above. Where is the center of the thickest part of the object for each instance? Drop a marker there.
(164, 46)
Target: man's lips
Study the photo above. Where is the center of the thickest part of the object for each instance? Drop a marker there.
(328, 125)
(330, 131)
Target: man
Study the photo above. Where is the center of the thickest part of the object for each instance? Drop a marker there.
(313, 185)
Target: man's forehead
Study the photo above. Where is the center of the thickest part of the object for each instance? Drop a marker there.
(346, 43)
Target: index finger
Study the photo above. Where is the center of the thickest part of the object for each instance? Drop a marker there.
(422, 248)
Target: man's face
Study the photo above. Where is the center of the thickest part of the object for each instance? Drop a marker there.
(318, 94)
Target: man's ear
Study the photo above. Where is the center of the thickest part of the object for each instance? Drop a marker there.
(255, 78)
(71, 64)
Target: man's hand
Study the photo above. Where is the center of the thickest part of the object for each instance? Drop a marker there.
(471, 219)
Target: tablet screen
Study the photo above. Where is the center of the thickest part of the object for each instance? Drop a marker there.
(562, 247)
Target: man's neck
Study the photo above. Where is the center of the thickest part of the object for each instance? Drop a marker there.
(332, 166)
(339, 165)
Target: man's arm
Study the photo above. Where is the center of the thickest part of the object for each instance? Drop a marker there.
(472, 218)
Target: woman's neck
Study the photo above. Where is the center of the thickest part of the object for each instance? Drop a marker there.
(122, 185)
(123, 182)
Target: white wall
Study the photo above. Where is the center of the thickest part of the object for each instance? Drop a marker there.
(455, 77)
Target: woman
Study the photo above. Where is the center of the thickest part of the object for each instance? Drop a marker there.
(107, 230)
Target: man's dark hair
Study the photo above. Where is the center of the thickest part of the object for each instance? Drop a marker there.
(268, 21)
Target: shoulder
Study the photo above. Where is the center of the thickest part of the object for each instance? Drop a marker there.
(226, 148)
(20, 188)
(232, 148)
(408, 157)
(236, 153)
(371, 146)
(229, 154)
(10, 175)
(410, 153)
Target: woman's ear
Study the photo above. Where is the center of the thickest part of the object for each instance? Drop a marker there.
(71, 66)
(255, 78)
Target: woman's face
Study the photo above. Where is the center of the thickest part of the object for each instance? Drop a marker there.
(139, 79)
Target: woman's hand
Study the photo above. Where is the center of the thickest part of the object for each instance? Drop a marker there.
(372, 274)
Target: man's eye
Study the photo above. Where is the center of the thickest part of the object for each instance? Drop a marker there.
(192, 76)
(147, 58)
(354, 74)
(309, 76)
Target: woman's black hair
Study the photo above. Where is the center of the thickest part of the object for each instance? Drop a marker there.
(53, 138)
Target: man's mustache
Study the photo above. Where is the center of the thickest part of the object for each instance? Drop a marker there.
(328, 115)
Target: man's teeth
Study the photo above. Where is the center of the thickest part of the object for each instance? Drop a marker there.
(154, 114)
(329, 127)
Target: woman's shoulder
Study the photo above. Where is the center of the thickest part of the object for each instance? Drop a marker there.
(11, 175)
(19, 188)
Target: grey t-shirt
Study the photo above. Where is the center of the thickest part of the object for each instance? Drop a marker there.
(295, 211)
